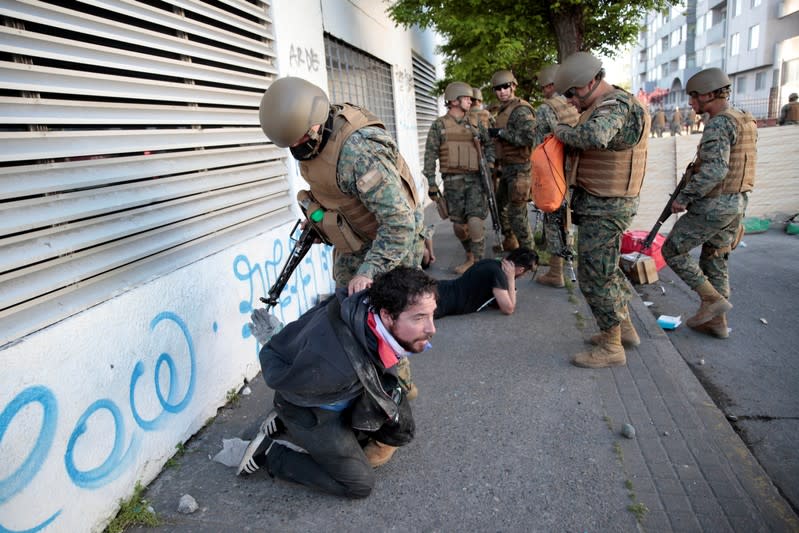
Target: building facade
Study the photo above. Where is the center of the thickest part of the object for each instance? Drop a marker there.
(756, 42)
(143, 213)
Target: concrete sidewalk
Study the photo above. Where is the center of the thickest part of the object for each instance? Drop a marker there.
(511, 437)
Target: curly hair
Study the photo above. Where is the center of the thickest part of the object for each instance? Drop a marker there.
(400, 288)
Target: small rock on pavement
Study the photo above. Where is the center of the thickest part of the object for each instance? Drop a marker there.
(187, 504)
(628, 431)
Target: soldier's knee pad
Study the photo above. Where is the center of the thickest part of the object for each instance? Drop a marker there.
(461, 231)
(476, 229)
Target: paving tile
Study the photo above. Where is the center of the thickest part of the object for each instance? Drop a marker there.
(675, 503)
(713, 523)
(661, 470)
(685, 522)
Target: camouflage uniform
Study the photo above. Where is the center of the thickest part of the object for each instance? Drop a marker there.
(659, 123)
(464, 193)
(400, 235)
(515, 180)
(545, 122)
(614, 125)
(710, 221)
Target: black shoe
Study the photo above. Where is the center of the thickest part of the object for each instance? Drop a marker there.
(255, 454)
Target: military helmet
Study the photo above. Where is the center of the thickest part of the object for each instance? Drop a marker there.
(547, 75)
(476, 94)
(793, 97)
(707, 81)
(456, 89)
(576, 71)
(289, 107)
(502, 77)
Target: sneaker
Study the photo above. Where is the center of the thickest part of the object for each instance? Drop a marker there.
(255, 454)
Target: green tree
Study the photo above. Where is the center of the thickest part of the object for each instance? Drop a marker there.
(482, 37)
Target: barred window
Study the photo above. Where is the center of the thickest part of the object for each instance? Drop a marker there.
(360, 79)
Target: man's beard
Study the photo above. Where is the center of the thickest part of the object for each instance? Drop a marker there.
(409, 345)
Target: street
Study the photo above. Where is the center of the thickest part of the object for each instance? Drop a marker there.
(753, 375)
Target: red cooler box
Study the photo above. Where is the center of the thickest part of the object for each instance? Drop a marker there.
(631, 242)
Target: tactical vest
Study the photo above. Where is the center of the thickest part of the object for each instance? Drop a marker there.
(480, 116)
(743, 156)
(614, 173)
(347, 224)
(793, 112)
(566, 113)
(457, 154)
(507, 153)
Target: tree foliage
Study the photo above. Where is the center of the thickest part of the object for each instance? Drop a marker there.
(523, 36)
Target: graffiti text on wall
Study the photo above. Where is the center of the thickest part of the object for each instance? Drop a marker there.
(306, 58)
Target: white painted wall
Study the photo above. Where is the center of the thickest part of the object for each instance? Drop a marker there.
(81, 420)
(81, 417)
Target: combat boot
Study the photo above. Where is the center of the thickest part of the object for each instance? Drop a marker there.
(715, 327)
(554, 276)
(608, 353)
(629, 337)
(713, 304)
(509, 244)
(466, 265)
(378, 453)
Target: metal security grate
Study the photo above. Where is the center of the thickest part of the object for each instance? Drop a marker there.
(360, 79)
(424, 77)
(130, 146)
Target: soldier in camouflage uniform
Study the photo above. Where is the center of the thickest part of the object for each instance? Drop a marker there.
(606, 165)
(360, 185)
(478, 111)
(659, 123)
(513, 142)
(715, 197)
(450, 141)
(553, 111)
(789, 114)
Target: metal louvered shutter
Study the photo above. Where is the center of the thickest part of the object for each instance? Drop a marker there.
(424, 77)
(129, 146)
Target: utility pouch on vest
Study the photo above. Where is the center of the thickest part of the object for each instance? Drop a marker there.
(339, 233)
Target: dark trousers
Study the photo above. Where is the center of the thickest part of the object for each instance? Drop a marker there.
(335, 462)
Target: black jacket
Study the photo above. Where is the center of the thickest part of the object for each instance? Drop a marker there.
(329, 354)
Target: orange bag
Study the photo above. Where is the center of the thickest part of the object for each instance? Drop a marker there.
(548, 185)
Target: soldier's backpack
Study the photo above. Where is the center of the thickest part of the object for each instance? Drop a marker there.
(548, 186)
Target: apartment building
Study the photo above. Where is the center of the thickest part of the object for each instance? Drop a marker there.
(756, 42)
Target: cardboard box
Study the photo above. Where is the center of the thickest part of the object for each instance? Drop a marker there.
(639, 268)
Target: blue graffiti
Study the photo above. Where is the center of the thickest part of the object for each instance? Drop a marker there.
(169, 404)
(114, 463)
(23, 475)
(296, 294)
(30, 466)
(119, 457)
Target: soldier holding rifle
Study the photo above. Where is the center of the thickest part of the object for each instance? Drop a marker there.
(362, 196)
(450, 141)
(715, 198)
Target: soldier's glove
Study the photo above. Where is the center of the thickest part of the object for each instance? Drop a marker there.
(434, 193)
(494, 132)
(264, 325)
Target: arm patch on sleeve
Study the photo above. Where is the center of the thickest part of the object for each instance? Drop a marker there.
(369, 181)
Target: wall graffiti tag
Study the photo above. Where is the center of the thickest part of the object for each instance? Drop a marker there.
(299, 294)
(300, 57)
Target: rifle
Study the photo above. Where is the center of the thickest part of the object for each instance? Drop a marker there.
(666, 213)
(301, 247)
(488, 185)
